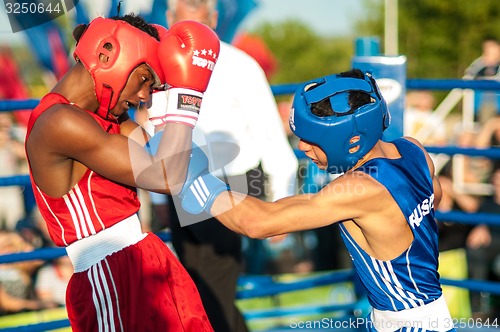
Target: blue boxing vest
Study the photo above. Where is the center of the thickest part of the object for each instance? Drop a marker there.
(411, 279)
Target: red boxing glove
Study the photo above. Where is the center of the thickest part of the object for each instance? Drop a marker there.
(188, 53)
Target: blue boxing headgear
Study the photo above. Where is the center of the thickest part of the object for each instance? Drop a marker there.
(336, 134)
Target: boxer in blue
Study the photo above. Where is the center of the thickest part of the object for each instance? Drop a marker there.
(383, 200)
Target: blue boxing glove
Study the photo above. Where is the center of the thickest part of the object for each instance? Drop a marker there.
(200, 188)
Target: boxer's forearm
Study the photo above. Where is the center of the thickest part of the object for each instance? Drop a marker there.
(255, 218)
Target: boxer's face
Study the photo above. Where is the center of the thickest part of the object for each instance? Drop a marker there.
(137, 90)
(315, 153)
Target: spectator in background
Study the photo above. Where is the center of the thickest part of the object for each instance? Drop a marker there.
(454, 235)
(452, 244)
(52, 277)
(484, 250)
(419, 122)
(486, 103)
(489, 136)
(239, 108)
(52, 280)
(12, 158)
(16, 288)
(418, 115)
(34, 230)
(487, 65)
(481, 241)
(484, 240)
(476, 169)
(454, 198)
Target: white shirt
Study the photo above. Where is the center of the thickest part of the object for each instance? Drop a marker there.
(239, 107)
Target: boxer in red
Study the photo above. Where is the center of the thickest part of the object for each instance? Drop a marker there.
(87, 158)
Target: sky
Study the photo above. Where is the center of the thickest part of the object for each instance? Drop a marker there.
(327, 17)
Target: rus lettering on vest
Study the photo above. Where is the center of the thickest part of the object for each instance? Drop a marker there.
(421, 211)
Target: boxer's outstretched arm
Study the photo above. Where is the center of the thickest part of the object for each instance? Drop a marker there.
(340, 200)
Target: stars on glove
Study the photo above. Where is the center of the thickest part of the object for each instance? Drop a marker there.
(201, 59)
(210, 53)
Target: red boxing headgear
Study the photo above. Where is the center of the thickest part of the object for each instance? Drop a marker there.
(162, 31)
(131, 47)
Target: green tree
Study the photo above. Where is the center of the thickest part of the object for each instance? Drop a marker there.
(440, 38)
(301, 53)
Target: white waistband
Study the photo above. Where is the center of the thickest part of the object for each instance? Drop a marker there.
(90, 250)
(433, 316)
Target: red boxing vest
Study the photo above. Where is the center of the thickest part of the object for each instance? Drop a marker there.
(93, 204)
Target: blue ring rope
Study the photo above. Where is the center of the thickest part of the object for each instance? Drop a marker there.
(448, 84)
(286, 89)
(8, 105)
(39, 327)
(492, 153)
(302, 311)
(469, 218)
(415, 84)
(15, 180)
(281, 287)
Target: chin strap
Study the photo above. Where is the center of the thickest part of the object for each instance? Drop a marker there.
(105, 103)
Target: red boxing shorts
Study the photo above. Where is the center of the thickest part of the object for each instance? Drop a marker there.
(142, 287)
